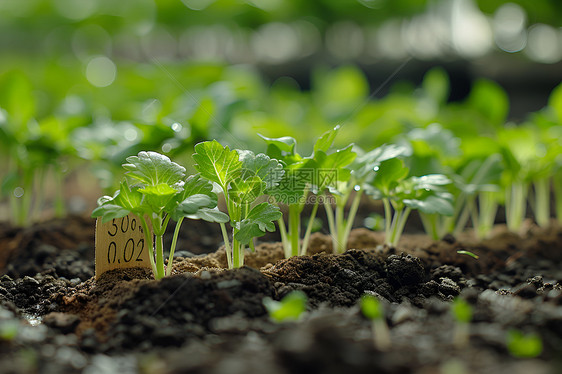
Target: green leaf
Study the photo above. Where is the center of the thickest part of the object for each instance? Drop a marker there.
(490, 100)
(158, 196)
(154, 169)
(366, 163)
(371, 307)
(524, 346)
(217, 163)
(107, 212)
(430, 182)
(297, 178)
(285, 144)
(191, 205)
(260, 219)
(436, 85)
(128, 198)
(440, 204)
(290, 308)
(193, 185)
(268, 170)
(462, 311)
(326, 140)
(210, 215)
(389, 173)
(331, 167)
(246, 190)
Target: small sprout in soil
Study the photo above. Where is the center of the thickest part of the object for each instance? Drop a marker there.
(524, 346)
(9, 330)
(372, 309)
(162, 193)
(468, 253)
(290, 308)
(462, 312)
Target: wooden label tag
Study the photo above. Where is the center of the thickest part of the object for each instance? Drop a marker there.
(120, 244)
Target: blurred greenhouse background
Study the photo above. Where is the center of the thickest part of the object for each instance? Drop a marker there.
(84, 84)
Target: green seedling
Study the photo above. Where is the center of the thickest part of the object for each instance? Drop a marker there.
(426, 194)
(162, 193)
(9, 330)
(244, 179)
(462, 313)
(468, 253)
(524, 346)
(362, 170)
(372, 309)
(290, 308)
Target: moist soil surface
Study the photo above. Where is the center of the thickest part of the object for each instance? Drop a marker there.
(56, 318)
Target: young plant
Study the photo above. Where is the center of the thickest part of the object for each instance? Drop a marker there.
(290, 308)
(372, 309)
(244, 178)
(363, 169)
(426, 194)
(524, 346)
(293, 189)
(462, 312)
(162, 193)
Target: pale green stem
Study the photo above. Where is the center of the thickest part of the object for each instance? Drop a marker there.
(173, 246)
(352, 213)
(157, 225)
(517, 206)
(308, 232)
(381, 334)
(332, 226)
(558, 197)
(429, 222)
(60, 209)
(149, 245)
(387, 218)
(464, 216)
(542, 201)
(294, 228)
(340, 227)
(488, 203)
(237, 254)
(284, 239)
(399, 228)
(227, 248)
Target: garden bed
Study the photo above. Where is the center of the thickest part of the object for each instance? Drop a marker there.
(54, 317)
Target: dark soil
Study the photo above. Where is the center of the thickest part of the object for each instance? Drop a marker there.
(55, 318)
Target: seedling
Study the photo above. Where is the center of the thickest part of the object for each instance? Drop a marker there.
(524, 345)
(290, 308)
(468, 253)
(426, 194)
(244, 178)
(372, 309)
(163, 193)
(462, 312)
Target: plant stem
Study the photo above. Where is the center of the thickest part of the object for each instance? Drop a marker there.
(331, 226)
(308, 232)
(237, 254)
(284, 239)
(429, 222)
(399, 227)
(387, 219)
(351, 217)
(148, 239)
(227, 248)
(381, 334)
(173, 246)
(294, 228)
(488, 204)
(515, 206)
(60, 210)
(557, 182)
(159, 235)
(542, 201)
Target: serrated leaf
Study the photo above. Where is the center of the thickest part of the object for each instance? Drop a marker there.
(193, 185)
(128, 198)
(246, 190)
(260, 219)
(158, 196)
(331, 167)
(107, 212)
(285, 144)
(217, 163)
(267, 169)
(154, 169)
